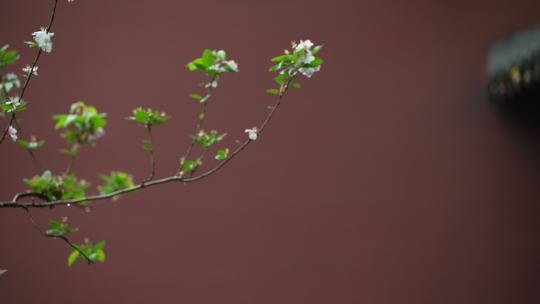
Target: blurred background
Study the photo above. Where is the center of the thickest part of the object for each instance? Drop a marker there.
(389, 178)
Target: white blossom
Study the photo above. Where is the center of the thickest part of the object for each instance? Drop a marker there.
(43, 40)
(13, 133)
(221, 54)
(308, 72)
(97, 134)
(33, 145)
(304, 45)
(212, 84)
(215, 67)
(307, 59)
(70, 1)
(28, 68)
(232, 64)
(253, 133)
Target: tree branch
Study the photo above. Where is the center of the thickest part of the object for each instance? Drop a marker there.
(30, 74)
(175, 178)
(61, 237)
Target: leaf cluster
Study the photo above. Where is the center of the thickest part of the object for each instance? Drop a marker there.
(222, 154)
(83, 123)
(7, 56)
(93, 252)
(56, 187)
(13, 105)
(31, 144)
(148, 117)
(190, 165)
(206, 140)
(117, 180)
(57, 228)
(213, 63)
(290, 63)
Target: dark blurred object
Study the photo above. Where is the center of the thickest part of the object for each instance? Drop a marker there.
(514, 70)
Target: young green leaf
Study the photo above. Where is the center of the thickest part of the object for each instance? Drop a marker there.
(57, 228)
(190, 165)
(273, 91)
(57, 187)
(195, 96)
(222, 154)
(72, 258)
(148, 117)
(115, 181)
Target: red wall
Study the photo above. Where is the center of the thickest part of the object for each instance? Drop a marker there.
(389, 178)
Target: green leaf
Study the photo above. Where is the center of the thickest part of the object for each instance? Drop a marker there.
(316, 49)
(115, 181)
(208, 58)
(222, 154)
(317, 62)
(191, 67)
(100, 256)
(100, 245)
(296, 85)
(83, 124)
(147, 145)
(72, 258)
(7, 56)
(282, 58)
(148, 117)
(190, 165)
(281, 79)
(195, 96)
(273, 91)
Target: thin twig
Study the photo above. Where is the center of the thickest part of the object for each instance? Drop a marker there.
(152, 157)
(30, 74)
(71, 161)
(200, 122)
(61, 237)
(174, 178)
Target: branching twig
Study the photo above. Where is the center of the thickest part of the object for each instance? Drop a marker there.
(29, 76)
(61, 237)
(174, 178)
(200, 122)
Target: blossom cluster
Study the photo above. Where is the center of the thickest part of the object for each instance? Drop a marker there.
(43, 39)
(305, 47)
(302, 59)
